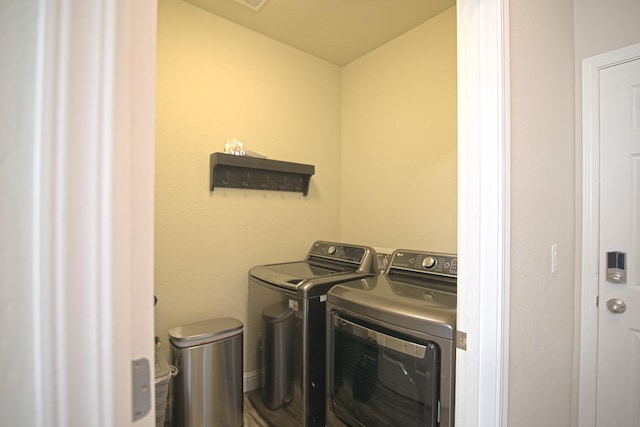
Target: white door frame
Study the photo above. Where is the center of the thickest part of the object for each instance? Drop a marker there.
(112, 45)
(483, 212)
(590, 225)
(93, 209)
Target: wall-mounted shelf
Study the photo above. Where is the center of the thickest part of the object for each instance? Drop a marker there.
(254, 173)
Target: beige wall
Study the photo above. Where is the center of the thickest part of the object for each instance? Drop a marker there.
(399, 159)
(542, 213)
(548, 41)
(19, 81)
(602, 26)
(218, 81)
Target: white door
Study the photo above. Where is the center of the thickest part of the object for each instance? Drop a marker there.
(618, 366)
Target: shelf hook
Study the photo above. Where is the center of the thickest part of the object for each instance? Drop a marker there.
(281, 186)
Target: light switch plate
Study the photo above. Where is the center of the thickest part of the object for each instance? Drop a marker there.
(554, 258)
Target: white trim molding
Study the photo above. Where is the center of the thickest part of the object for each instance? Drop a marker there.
(251, 380)
(483, 213)
(591, 68)
(93, 209)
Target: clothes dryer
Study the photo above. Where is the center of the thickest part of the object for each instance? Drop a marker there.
(391, 352)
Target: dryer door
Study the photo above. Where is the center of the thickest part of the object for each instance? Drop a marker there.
(380, 378)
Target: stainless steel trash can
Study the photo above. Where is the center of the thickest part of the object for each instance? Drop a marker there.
(208, 387)
(277, 364)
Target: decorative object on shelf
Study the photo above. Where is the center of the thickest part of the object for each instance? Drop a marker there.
(232, 171)
(238, 148)
(235, 147)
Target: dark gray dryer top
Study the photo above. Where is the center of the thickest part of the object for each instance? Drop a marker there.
(418, 292)
(326, 264)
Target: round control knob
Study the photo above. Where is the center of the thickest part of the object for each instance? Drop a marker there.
(429, 262)
(331, 250)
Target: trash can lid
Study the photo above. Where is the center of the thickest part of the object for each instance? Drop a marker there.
(204, 332)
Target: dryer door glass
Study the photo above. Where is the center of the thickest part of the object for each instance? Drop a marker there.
(380, 378)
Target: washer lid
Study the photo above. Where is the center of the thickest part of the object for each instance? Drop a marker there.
(204, 332)
(291, 274)
(302, 277)
(325, 264)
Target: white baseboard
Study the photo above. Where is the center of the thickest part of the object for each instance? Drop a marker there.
(250, 380)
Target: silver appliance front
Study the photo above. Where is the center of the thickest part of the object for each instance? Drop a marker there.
(387, 376)
(286, 330)
(292, 359)
(391, 352)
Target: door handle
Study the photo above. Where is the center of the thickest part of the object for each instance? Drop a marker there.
(616, 305)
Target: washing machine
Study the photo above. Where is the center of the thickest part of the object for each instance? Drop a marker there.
(391, 347)
(286, 330)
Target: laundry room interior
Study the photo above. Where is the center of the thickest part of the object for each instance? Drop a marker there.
(380, 131)
(112, 111)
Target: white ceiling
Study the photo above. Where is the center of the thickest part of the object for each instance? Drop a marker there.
(338, 31)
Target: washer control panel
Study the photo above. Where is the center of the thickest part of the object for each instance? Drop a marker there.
(425, 262)
(337, 251)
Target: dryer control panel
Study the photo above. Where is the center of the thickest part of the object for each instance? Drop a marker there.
(425, 262)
